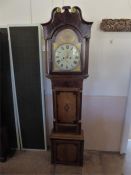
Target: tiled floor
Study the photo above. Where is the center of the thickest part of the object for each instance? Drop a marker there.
(95, 163)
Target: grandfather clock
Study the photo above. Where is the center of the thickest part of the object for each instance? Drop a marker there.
(67, 38)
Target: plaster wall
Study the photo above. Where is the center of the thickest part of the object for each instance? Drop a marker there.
(105, 91)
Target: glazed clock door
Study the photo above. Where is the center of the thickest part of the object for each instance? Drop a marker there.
(66, 49)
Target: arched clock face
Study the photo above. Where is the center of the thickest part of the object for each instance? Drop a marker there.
(67, 57)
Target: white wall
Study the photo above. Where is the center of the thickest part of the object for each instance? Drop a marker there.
(110, 59)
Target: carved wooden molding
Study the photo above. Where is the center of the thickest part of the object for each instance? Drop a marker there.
(66, 16)
(116, 25)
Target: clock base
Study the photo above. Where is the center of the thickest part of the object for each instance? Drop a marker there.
(67, 148)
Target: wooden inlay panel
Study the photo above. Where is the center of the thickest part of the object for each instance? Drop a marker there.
(66, 106)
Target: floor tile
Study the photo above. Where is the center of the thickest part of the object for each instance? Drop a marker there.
(95, 163)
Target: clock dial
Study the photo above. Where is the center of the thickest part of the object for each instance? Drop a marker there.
(67, 57)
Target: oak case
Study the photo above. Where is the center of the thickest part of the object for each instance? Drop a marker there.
(68, 34)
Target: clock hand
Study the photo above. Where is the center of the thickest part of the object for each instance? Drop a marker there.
(67, 55)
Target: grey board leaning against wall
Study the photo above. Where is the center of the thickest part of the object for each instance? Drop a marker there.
(7, 121)
(27, 128)
(26, 66)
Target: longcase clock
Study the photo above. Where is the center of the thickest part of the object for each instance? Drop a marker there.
(67, 38)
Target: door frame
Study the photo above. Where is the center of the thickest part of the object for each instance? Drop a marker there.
(127, 121)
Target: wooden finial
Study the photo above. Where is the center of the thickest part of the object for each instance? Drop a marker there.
(58, 10)
(73, 10)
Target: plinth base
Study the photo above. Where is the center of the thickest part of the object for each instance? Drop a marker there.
(67, 148)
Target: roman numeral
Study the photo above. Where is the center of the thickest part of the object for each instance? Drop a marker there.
(75, 62)
(67, 46)
(58, 61)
